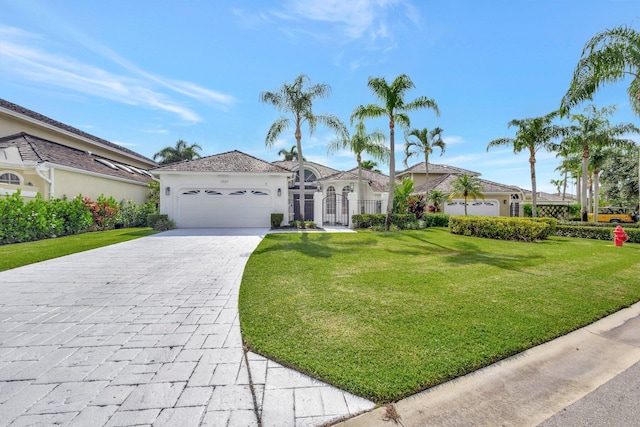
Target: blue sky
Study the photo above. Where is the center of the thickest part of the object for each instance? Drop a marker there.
(144, 73)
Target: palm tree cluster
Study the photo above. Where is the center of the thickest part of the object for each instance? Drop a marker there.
(178, 153)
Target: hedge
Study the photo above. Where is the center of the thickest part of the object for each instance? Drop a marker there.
(503, 228)
(377, 220)
(597, 232)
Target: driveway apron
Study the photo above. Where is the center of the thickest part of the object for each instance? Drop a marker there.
(146, 332)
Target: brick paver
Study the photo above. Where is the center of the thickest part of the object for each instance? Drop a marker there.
(146, 332)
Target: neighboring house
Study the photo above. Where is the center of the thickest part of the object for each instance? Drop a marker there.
(499, 199)
(231, 189)
(42, 155)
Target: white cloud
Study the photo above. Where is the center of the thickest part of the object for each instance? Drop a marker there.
(24, 58)
(453, 139)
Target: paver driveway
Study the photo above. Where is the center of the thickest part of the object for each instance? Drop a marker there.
(146, 332)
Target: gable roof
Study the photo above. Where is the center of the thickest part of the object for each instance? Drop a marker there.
(231, 161)
(444, 184)
(438, 169)
(378, 181)
(33, 149)
(292, 165)
(18, 110)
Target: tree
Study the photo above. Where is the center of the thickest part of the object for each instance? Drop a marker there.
(610, 56)
(532, 135)
(619, 177)
(180, 152)
(370, 165)
(394, 108)
(289, 155)
(424, 143)
(437, 199)
(359, 143)
(296, 100)
(559, 183)
(402, 195)
(594, 132)
(466, 187)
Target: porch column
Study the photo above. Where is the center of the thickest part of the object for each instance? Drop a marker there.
(317, 208)
(353, 207)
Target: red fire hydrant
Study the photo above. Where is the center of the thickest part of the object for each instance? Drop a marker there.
(619, 236)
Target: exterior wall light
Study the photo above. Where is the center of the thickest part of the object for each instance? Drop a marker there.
(167, 191)
(319, 187)
(279, 192)
(351, 187)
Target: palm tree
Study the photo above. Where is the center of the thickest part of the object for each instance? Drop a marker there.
(370, 165)
(558, 183)
(466, 187)
(594, 132)
(289, 155)
(393, 108)
(181, 151)
(532, 135)
(437, 199)
(608, 57)
(424, 143)
(362, 142)
(297, 100)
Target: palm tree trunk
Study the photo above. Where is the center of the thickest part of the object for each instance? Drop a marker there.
(360, 185)
(585, 173)
(301, 173)
(426, 182)
(392, 172)
(596, 194)
(534, 209)
(564, 184)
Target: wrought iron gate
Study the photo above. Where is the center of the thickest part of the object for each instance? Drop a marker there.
(335, 210)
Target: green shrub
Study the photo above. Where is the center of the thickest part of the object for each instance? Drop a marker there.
(153, 218)
(597, 231)
(132, 215)
(276, 220)
(503, 228)
(163, 224)
(373, 220)
(436, 219)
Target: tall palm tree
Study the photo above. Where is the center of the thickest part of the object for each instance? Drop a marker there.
(610, 56)
(296, 100)
(424, 143)
(181, 151)
(289, 155)
(394, 108)
(467, 187)
(594, 132)
(370, 165)
(362, 142)
(533, 134)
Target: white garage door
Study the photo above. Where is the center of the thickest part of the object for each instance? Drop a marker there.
(474, 207)
(210, 208)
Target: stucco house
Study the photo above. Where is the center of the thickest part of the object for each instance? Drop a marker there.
(231, 189)
(499, 199)
(41, 155)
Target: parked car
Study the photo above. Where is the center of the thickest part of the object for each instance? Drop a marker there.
(615, 214)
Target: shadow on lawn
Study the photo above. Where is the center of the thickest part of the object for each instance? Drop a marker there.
(316, 248)
(466, 253)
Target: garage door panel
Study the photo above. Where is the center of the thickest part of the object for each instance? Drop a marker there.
(205, 208)
(474, 207)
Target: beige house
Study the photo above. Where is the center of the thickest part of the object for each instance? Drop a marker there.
(499, 199)
(41, 155)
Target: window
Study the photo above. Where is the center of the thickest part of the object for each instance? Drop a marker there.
(10, 178)
(331, 200)
(345, 194)
(308, 176)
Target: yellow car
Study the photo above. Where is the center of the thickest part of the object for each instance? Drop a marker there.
(615, 214)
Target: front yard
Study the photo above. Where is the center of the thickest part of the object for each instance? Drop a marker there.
(385, 315)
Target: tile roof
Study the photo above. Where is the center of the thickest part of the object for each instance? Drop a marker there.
(44, 119)
(378, 181)
(438, 169)
(444, 183)
(38, 150)
(231, 161)
(292, 165)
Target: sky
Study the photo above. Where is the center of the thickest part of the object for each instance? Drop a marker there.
(144, 74)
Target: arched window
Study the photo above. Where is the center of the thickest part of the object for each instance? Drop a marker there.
(10, 178)
(345, 193)
(309, 176)
(331, 200)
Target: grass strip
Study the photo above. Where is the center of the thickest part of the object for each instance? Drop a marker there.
(19, 254)
(385, 315)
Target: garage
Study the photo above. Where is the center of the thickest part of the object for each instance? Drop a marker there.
(474, 207)
(210, 208)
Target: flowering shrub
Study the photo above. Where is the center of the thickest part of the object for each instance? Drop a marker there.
(103, 211)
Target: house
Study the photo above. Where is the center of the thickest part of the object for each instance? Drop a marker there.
(231, 189)
(41, 155)
(499, 199)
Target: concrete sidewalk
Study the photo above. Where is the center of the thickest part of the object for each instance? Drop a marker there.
(146, 332)
(554, 384)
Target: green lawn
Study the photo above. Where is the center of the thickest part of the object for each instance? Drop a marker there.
(385, 315)
(19, 254)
